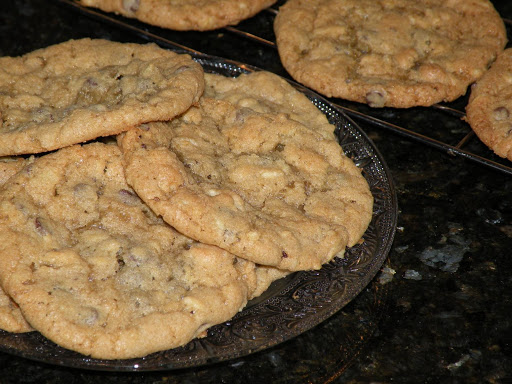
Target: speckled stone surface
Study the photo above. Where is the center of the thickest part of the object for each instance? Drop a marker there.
(440, 310)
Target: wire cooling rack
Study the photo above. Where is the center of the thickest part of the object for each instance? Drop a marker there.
(458, 140)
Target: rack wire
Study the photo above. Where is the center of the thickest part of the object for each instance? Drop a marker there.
(482, 155)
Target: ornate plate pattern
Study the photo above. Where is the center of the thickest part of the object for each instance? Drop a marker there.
(291, 305)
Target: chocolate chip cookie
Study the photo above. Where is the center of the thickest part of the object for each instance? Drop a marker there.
(262, 184)
(81, 89)
(389, 53)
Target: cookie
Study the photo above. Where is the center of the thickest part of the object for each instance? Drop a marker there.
(184, 15)
(397, 53)
(82, 89)
(96, 271)
(250, 180)
(11, 319)
(489, 109)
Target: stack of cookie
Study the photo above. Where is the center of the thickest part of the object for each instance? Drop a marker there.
(144, 201)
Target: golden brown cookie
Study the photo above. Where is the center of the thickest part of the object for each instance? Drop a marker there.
(250, 180)
(183, 15)
(489, 110)
(82, 89)
(94, 270)
(389, 53)
(11, 319)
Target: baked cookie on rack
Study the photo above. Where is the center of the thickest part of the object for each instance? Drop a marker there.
(235, 173)
(184, 15)
(82, 89)
(96, 271)
(489, 109)
(389, 53)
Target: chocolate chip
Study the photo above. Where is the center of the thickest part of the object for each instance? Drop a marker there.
(39, 227)
(304, 53)
(279, 147)
(120, 262)
(128, 197)
(91, 82)
(125, 192)
(242, 114)
(28, 169)
(308, 188)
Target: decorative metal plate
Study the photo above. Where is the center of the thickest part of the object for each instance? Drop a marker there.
(291, 305)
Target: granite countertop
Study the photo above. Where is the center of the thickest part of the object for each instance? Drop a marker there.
(440, 309)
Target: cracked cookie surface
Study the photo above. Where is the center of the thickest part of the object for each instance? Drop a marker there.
(235, 173)
(397, 53)
(96, 271)
(489, 109)
(184, 15)
(79, 90)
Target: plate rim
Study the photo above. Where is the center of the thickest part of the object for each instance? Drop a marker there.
(76, 360)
